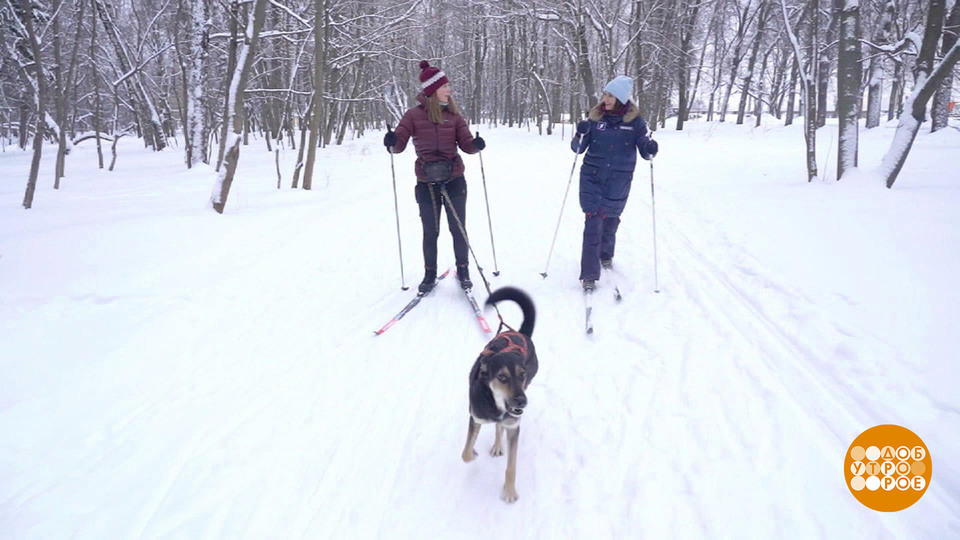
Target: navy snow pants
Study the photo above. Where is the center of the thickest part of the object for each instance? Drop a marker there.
(599, 240)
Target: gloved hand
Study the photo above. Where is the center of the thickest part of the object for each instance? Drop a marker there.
(583, 127)
(389, 139)
(479, 142)
(652, 147)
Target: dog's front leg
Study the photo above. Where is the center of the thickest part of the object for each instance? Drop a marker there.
(473, 429)
(497, 449)
(509, 493)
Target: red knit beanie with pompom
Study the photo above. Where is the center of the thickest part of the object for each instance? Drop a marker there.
(431, 78)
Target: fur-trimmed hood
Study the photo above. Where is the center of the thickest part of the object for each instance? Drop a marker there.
(632, 113)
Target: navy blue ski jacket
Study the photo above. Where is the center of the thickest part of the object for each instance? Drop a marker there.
(607, 170)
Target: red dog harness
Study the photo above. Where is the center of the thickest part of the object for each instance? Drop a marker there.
(497, 345)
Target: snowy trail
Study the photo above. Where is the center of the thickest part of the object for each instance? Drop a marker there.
(218, 377)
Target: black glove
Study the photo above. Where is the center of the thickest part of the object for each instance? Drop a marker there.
(652, 147)
(583, 127)
(479, 142)
(389, 139)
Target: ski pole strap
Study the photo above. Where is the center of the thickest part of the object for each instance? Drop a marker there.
(450, 209)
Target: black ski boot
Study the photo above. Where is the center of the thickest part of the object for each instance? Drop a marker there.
(589, 285)
(463, 274)
(607, 264)
(429, 280)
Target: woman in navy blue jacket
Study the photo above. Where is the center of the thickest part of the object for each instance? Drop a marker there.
(612, 136)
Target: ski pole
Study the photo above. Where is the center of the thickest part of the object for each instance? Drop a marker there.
(565, 194)
(496, 267)
(396, 212)
(653, 208)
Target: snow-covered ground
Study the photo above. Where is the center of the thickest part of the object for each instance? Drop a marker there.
(166, 371)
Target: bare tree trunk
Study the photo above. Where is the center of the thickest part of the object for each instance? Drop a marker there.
(640, 75)
(752, 62)
(95, 75)
(149, 118)
(758, 106)
(896, 91)
(24, 121)
(318, 86)
(238, 82)
(849, 72)
(348, 113)
(304, 126)
(939, 111)
(225, 126)
(509, 102)
(547, 108)
(882, 36)
(928, 80)
(825, 61)
(197, 127)
(27, 7)
(792, 91)
(479, 51)
(808, 86)
(711, 28)
(742, 20)
(583, 65)
(687, 27)
(59, 96)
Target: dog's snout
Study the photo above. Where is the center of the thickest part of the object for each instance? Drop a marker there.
(520, 401)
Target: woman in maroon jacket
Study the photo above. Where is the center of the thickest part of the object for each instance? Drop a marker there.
(437, 130)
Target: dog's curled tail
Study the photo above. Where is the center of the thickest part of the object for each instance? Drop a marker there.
(522, 300)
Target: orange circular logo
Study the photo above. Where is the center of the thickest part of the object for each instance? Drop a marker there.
(888, 468)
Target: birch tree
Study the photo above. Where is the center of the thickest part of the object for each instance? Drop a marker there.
(848, 86)
(238, 81)
(807, 86)
(751, 63)
(197, 130)
(927, 77)
(882, 37)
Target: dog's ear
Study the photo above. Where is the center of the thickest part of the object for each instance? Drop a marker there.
(479, 370)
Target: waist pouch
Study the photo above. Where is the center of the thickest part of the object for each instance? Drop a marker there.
(437, 172)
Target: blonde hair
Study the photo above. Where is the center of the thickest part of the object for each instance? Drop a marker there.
(435, 110)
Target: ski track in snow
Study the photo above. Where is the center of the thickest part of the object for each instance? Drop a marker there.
(216, 376)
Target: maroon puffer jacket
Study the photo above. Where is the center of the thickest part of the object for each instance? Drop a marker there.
(434, 142)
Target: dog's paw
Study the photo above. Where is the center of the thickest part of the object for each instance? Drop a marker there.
(496, 450)
(509, 494)
(469, 455)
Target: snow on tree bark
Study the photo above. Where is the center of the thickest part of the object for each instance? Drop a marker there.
(41, 94)
(927, 80)
(199, 130)
(146, 111)
(849, 71)
(883, 36)
(235, 94)
(752, 62)
(808, 87)
(939, 111)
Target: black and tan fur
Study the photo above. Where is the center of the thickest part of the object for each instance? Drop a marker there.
(498, 383)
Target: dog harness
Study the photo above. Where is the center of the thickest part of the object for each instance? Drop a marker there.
(496, 345)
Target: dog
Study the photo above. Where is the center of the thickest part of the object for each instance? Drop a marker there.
(498, 383)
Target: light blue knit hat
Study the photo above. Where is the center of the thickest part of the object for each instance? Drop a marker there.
(621, 88)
